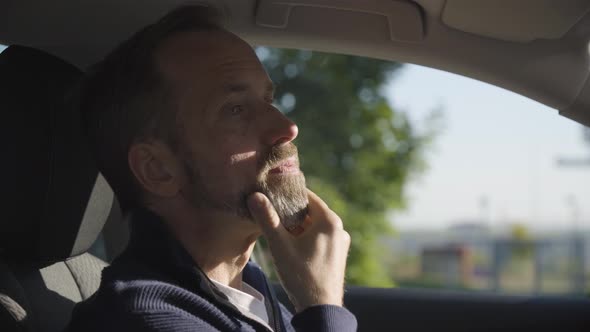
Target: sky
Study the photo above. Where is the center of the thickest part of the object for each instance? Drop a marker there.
(494, 161)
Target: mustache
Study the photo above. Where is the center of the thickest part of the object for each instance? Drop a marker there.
(276, 154)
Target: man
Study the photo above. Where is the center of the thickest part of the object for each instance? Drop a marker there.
(183, 126)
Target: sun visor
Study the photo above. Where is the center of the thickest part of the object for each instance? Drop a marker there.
(400, 21)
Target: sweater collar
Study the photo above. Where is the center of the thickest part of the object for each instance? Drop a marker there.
(152, 243)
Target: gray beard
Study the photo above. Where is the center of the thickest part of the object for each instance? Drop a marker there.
(287, 194)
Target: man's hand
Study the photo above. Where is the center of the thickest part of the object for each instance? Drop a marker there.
(310, 264)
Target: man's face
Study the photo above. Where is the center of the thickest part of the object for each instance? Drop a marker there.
(233, 140)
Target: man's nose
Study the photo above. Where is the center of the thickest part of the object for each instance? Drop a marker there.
(281, 129)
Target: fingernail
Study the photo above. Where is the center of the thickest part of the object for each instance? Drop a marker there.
(296, 230)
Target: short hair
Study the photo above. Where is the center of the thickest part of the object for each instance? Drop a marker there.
(125, 99)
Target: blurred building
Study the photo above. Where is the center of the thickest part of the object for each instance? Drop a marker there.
(470, 255)
(450, 265)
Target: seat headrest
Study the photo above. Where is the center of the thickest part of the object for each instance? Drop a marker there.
(55, 201)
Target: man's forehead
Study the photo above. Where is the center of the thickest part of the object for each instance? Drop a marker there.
(205, 52)
(203, 45)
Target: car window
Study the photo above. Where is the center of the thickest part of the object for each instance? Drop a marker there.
(442, 181)
(501, 206)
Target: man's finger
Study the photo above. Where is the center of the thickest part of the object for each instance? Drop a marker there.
(316, 204)
(297, 230)
(265, 215)
(322, 215)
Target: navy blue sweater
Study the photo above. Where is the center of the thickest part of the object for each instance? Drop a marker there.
(155, 286)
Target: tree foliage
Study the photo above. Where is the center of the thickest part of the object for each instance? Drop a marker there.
(356, 151)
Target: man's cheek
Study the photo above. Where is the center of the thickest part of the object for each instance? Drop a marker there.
(243, 158)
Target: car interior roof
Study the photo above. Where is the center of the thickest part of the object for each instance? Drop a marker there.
(537, 48)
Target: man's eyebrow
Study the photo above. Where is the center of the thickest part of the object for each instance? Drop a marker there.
(241, 87)
(234, 87)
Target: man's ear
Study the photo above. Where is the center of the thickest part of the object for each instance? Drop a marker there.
(156, 168)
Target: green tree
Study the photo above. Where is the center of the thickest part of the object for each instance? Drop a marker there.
(356, 151)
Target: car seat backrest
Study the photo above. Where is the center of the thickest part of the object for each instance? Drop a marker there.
(55, 202)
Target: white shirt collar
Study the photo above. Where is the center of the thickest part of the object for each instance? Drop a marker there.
(248, 300)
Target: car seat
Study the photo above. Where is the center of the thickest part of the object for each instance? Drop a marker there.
(55, 201)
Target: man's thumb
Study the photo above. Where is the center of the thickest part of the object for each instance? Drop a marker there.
(264, 214)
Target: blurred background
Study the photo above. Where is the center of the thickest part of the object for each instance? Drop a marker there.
(442, 181)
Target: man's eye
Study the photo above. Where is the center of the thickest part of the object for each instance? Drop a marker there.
(235, 110)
